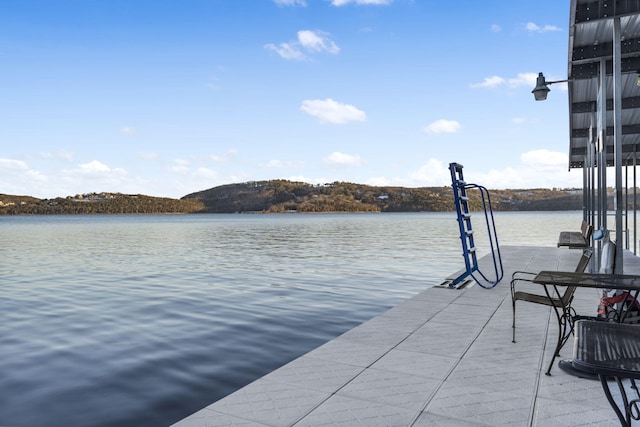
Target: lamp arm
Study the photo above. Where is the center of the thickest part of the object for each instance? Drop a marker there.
(542, 87)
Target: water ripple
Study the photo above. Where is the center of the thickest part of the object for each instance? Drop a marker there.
(142, 320)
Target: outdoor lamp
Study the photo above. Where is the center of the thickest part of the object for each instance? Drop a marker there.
(542, 87)
(541, 90)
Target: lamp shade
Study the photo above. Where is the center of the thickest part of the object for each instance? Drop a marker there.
(541, 90)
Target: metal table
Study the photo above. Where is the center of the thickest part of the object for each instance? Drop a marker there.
(612, 351)
(565, 314)
(629, 282)
(622, 282)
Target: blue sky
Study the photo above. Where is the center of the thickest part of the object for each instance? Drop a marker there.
(169, 97)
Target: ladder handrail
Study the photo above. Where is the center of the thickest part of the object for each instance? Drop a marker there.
(461, 200)
(493, 237)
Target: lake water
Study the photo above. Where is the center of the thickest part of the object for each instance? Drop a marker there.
(142, 320)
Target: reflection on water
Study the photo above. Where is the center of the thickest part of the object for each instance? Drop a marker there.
(142, 320)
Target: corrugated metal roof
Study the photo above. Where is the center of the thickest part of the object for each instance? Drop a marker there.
(591, 40)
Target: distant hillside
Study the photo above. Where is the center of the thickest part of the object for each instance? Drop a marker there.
(287, 196)
(96, 203)
(277, 196)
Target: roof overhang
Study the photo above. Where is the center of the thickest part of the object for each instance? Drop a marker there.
(591, 48)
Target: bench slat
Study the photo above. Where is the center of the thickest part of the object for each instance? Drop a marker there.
(576, 239)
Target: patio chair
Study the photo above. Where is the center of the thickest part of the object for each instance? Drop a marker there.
(562, 303)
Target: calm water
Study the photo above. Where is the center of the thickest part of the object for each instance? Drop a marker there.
(142, 320)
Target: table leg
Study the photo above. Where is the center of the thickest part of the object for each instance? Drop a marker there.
(631, 410)
(564, 315)
(625, 421)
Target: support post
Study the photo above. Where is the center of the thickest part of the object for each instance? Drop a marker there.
(617, 138)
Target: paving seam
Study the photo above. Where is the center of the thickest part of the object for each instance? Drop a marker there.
(384, 354)
(424, 409)
(536, 389)
(444, 380)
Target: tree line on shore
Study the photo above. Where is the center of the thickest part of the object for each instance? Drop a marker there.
(280, 196)
(277, 196)
(97, 203)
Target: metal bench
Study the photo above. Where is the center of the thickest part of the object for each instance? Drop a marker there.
(611, 351)
(576, 239)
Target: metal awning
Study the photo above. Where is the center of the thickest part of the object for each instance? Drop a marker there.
(593, 40)
(604, 110)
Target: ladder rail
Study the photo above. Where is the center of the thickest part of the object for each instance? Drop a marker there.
(466, 233)
(461, 201)
(492, 234)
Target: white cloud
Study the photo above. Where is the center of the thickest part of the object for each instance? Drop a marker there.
(341, 159)
(443, 126)
(180, 166)
(490, 82)
(544, 159)
(364, 2)
(92, 176)
(9, 165)
(290, 2)
(522, 79)
(93, 167)
(127, 130)
(534, 28)
(432, 174)
(286, 50)
(317, 41)
(330, 111)
(16, 177)
(60, 155)
(194, 177)
(35, 176)
(537, 169)
(307, 41)
(496, 28)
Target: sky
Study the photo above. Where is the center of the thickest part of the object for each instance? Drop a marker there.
(171, 97)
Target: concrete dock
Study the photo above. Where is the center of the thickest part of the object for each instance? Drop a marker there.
(441, 358)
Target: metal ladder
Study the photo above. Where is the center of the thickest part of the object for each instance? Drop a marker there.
(461, 200)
